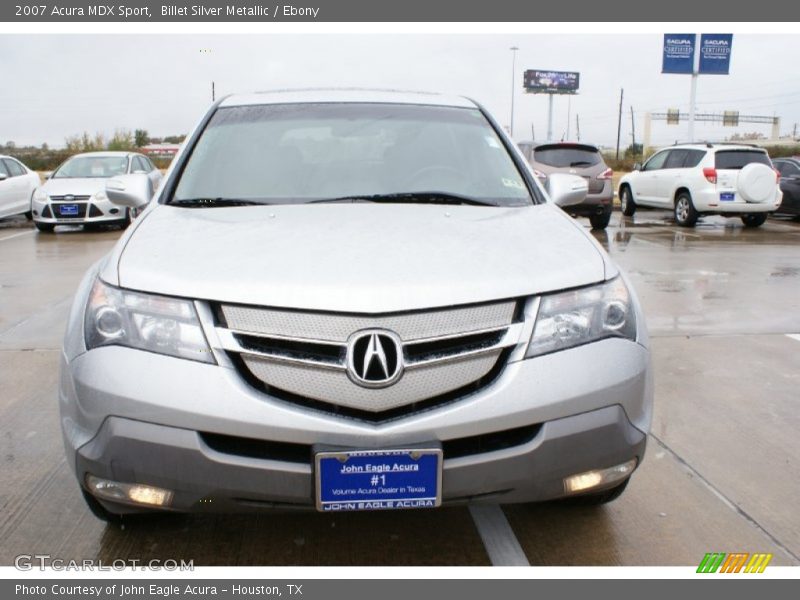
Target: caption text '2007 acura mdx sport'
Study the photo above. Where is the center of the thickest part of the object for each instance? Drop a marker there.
(352, 300)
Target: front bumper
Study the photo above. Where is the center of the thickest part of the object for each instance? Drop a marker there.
(141, 424)
(206, 480)
(92, 211)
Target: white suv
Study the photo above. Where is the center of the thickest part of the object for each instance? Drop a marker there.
(698, 179)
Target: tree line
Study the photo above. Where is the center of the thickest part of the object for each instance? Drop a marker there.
(44, 158)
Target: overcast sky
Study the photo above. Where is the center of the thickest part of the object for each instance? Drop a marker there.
(58, 85)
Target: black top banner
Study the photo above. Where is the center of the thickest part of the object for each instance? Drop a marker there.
(398, 11)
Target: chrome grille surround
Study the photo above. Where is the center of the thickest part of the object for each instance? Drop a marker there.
(301, 356)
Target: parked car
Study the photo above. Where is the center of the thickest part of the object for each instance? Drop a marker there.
(352, 300)
(704, 179)
(75, 192)
(577, 159)
(17, 184)
(789, 168)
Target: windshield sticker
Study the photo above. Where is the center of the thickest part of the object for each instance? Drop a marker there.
(511, 183)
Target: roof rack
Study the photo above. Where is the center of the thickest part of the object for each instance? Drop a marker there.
(711, 144)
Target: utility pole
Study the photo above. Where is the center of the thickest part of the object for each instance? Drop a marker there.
(619, 121)
(633, 129)
(578, 126)
(513, 69)
(213, 94)
(794, 131)
(533, 133)
(569, 113)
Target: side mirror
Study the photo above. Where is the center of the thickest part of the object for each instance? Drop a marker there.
(129, 190)
(3, 176)
(566, 190)
(637, 166)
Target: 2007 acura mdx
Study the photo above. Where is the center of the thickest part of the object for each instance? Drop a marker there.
(351, 300)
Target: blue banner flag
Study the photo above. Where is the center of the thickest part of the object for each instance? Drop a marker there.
(715, 53)
(678, 53)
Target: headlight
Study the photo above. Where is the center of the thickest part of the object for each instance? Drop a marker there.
(581, 316)
(100, 196)
(116, 317)
(40, 195)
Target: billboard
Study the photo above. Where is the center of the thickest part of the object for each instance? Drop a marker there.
(551, 82)
(678, 53)
(715, 53)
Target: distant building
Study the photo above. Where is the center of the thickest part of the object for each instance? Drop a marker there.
(160, 150)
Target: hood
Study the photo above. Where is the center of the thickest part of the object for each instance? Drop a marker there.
(363, 258)
(78, 186)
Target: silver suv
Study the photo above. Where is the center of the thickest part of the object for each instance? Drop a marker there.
(352, 300)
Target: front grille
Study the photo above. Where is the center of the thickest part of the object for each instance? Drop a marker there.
(79, 214)
(301, 356)
(302, 453)
(68, 198)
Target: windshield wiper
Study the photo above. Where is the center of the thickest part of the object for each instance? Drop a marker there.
(410, 198)
(213, 202)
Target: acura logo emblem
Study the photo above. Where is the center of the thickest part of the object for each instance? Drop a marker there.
(374, 358)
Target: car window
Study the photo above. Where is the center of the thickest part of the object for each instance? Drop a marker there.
(139, 164)
(14, 168)
(148, 163)
(567, 156)
(693, 158)
(656, 161)
(3, 169)
(296, 153)
(92, 166)
(738, 159)
(676, 159)
(788, 169)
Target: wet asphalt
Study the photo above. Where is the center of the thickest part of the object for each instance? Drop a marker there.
(722, 470)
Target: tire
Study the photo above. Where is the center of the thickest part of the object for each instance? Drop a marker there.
(754, 219)
(45, 227)
(627, 205)
(124, 223)
(98, 510)
(598, 498)
(685, 214)
(600, 221)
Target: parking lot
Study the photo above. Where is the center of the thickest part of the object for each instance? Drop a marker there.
(720, 473)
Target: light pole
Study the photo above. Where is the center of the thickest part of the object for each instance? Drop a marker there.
(513, 70)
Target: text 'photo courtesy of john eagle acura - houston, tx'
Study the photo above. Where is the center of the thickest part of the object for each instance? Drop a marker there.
(352, 300)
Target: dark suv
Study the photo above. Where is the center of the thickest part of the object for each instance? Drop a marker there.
(577, 159)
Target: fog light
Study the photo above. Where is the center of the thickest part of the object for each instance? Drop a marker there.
(591, 479)
(128, 492)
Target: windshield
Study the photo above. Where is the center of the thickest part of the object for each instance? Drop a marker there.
(566, 156)
(92, 166)
(295, 153)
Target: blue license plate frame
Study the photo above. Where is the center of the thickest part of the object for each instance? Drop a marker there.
(392, 479)
(68, 210)
(727, 196)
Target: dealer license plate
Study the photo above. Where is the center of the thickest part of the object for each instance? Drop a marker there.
(379, 479)
(68, 210)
